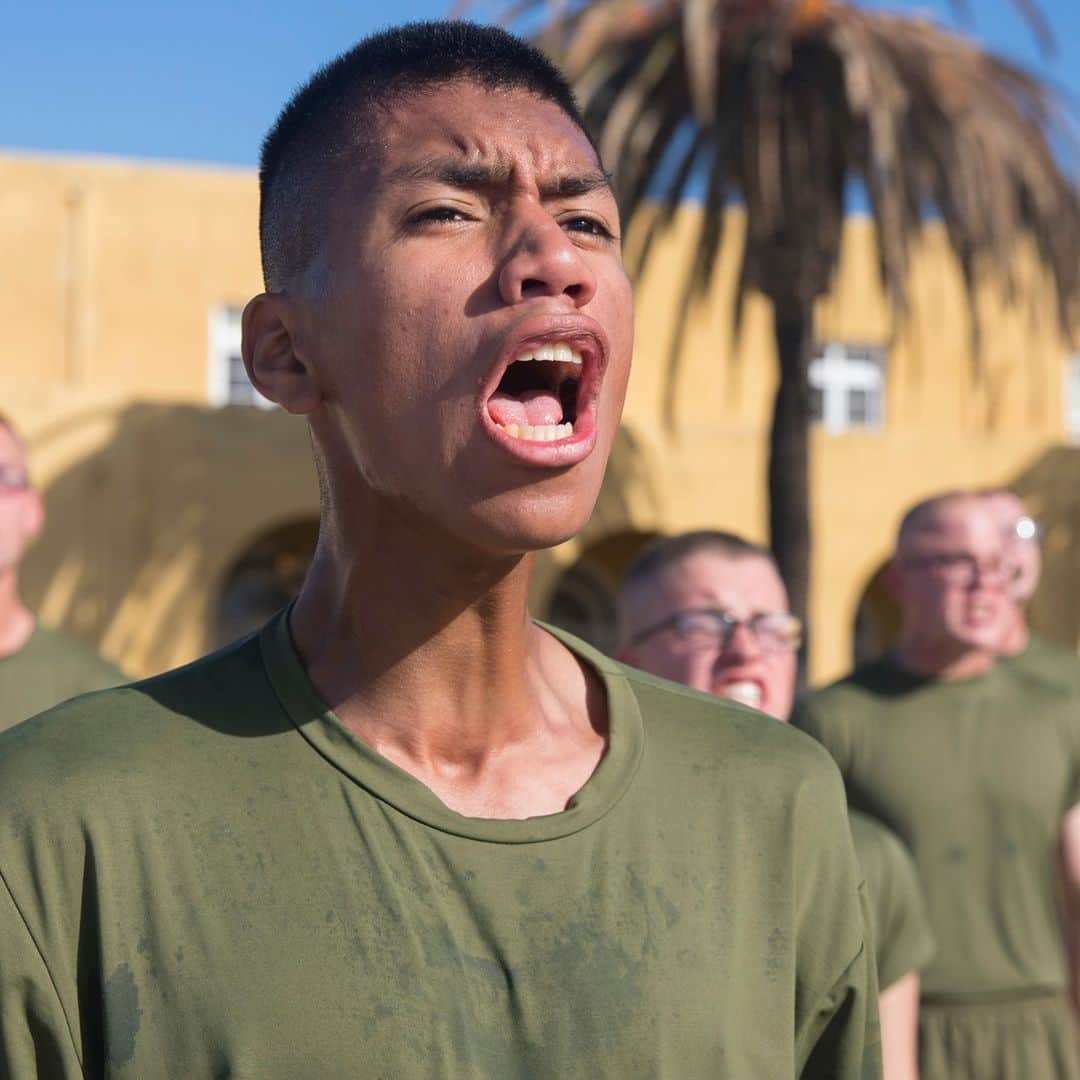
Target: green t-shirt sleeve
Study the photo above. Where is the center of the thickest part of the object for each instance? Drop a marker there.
(837, 1035)
(846, 1037)
(35, 1037)
(818, 716)
(905, 942)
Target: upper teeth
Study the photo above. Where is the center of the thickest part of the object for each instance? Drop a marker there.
(559, 351)
(746, 692)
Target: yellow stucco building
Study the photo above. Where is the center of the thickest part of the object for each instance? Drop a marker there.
(179, 509)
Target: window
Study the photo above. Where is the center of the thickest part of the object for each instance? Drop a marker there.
(1072, 398)
(227, 381)
(847, 386)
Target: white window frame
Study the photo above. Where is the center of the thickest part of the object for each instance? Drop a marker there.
(226, 380)
(838, 368)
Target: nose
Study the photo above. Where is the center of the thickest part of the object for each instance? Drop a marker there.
(742, 644)
(544, 261)
(993, 574)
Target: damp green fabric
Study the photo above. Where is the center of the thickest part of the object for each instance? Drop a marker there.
(207, 875)
(48, 669)
(900, 929)
(1050, 661)
(1007, 1037)
(974, 776)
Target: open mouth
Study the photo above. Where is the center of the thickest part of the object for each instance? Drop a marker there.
(538, 396)
(745, 691)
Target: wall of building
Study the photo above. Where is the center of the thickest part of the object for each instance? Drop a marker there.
(154, 497)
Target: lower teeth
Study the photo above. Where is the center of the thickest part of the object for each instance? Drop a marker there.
(540, 433)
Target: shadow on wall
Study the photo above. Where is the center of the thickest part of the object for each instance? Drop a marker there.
(1050, 489)
(173, 528)
(142, 527)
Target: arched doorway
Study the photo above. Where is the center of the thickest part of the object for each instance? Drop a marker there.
(265, 578)
(583, 600)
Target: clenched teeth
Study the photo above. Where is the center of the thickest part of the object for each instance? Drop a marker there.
(745, 692)
(560, 352)
(539, 433)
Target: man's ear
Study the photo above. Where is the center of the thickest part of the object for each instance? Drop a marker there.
(274, 363)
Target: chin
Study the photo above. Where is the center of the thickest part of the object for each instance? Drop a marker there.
(522, 522)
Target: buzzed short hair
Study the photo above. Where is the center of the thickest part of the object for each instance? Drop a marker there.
(917, 517)
(672, 549)
(332, 119)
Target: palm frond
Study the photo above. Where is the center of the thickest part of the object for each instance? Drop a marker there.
(784, 103)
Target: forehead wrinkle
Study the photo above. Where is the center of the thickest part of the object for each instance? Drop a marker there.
(469, 174)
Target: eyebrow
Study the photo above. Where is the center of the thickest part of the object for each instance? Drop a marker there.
(469, 175)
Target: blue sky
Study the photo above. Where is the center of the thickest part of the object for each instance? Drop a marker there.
(201, 81)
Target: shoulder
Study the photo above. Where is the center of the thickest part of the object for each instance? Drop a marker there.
(712, 735)
(705, 738)
(75, 660)
(881, 852)
(1048, 662)
(831, 711)
(141, 729)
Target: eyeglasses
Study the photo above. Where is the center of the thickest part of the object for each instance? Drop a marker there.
(960, 568)
(773, 631)
(13, 478)
(1026, 528)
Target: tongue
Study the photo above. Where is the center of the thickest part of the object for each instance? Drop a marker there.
(533, 407)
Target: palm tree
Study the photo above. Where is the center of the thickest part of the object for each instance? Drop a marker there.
(779, 105)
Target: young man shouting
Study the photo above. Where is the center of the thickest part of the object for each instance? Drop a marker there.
(404, 831)
(709, 609)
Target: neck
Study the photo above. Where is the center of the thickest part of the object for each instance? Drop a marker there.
(1016, 637)
(947, 661)
(423, 649)
(16, 619)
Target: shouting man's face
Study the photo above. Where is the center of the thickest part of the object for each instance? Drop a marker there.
(471, 327)
(952, 577)
(720, 624)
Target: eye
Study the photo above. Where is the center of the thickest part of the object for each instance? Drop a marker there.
(588, 226)
(438, 214)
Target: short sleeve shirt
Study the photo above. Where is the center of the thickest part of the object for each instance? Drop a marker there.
(974, 776)
(903, 942)
(1050, 661)
(48, 669)
(209, 873)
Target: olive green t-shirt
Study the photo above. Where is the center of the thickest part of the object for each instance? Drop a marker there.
(48, 669)
(207, 875)
(1050, 661)
(899, 926)
(974, 776)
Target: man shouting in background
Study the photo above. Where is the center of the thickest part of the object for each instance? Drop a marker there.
(404, 831)
(708, 609)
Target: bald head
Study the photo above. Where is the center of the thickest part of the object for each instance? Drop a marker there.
(951, 577)
(929, 514)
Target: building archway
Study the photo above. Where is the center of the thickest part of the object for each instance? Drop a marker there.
(583, 599)
(265, 578)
